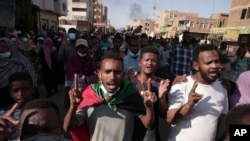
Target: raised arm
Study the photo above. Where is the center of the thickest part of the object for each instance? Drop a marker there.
(149, 100)
(75, 99)
(163, 89)
(174, 115)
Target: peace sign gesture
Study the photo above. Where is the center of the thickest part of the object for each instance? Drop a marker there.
(75, 93)
(5, 129)
(194, 97)
(149, 97)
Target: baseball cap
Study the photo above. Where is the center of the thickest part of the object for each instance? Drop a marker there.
(81, 42)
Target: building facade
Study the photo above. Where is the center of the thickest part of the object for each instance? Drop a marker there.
(148, 26)
(173, 23)
(46, 13)
(80, 15)
(100, 16)
(237, 30)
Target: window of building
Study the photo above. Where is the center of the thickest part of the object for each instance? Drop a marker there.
(192, 24)
(243, 14)
(223, 22)
(79, 9)
(248, 13)
(211, 25)
(206, 25)
(202, 25)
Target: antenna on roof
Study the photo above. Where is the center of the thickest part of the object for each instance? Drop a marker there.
(154, 7)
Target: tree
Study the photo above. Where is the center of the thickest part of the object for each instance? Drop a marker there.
(24, 15)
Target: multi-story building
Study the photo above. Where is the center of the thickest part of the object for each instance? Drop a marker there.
(80, 15)
(197, 26)
(239, 21)
(221, 18)
(100, 16)
(164, 25)
(108, 26)
(48, 11)
(148, 26)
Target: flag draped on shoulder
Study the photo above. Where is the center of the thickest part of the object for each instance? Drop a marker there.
(127, 98)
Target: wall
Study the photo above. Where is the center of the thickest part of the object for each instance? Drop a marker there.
(236, 11)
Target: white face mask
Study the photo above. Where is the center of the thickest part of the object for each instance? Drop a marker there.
(108, 93)
(25, 39)
(81, 54)
(132, 54)
(5, 55)
(59, 40)
(13, 39)
(72, 36)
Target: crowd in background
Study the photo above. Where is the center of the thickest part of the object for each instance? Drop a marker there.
(52, 57)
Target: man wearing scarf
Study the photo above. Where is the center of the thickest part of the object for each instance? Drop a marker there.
(107, 110)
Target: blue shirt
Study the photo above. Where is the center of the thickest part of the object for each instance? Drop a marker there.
(132, 62)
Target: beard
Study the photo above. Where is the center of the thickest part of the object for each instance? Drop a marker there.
(205, 77)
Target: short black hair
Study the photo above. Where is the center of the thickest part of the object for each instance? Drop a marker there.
(223, 43)
(41, 103)
(20, 76)
(144, 35)
(223, 58)
(149, 49)
(119, 37)
(132, 38)
(72, 30)
(112, 56)
(236, 115)
(30, 130)
(186, 32)
(202, 48)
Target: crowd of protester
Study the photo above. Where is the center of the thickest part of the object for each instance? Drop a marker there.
(119, 87)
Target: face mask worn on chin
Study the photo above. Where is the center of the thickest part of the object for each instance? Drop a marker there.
(132, 54)
(81, 54)
(25, 39)
(72, 36)
(5, 55)
(13, 39)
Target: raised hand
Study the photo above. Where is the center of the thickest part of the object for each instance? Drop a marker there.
(148, 96)
(5, 129)
(179, 79)
(132, 75)
(75, 93)
(163, 88)
(194, 97)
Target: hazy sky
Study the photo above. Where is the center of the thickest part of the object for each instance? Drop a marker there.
(120, 12)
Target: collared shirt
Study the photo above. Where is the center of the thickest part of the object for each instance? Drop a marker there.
(179, 60)
(132, 62)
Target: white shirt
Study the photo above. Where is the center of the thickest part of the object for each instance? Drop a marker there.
(200, 124)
